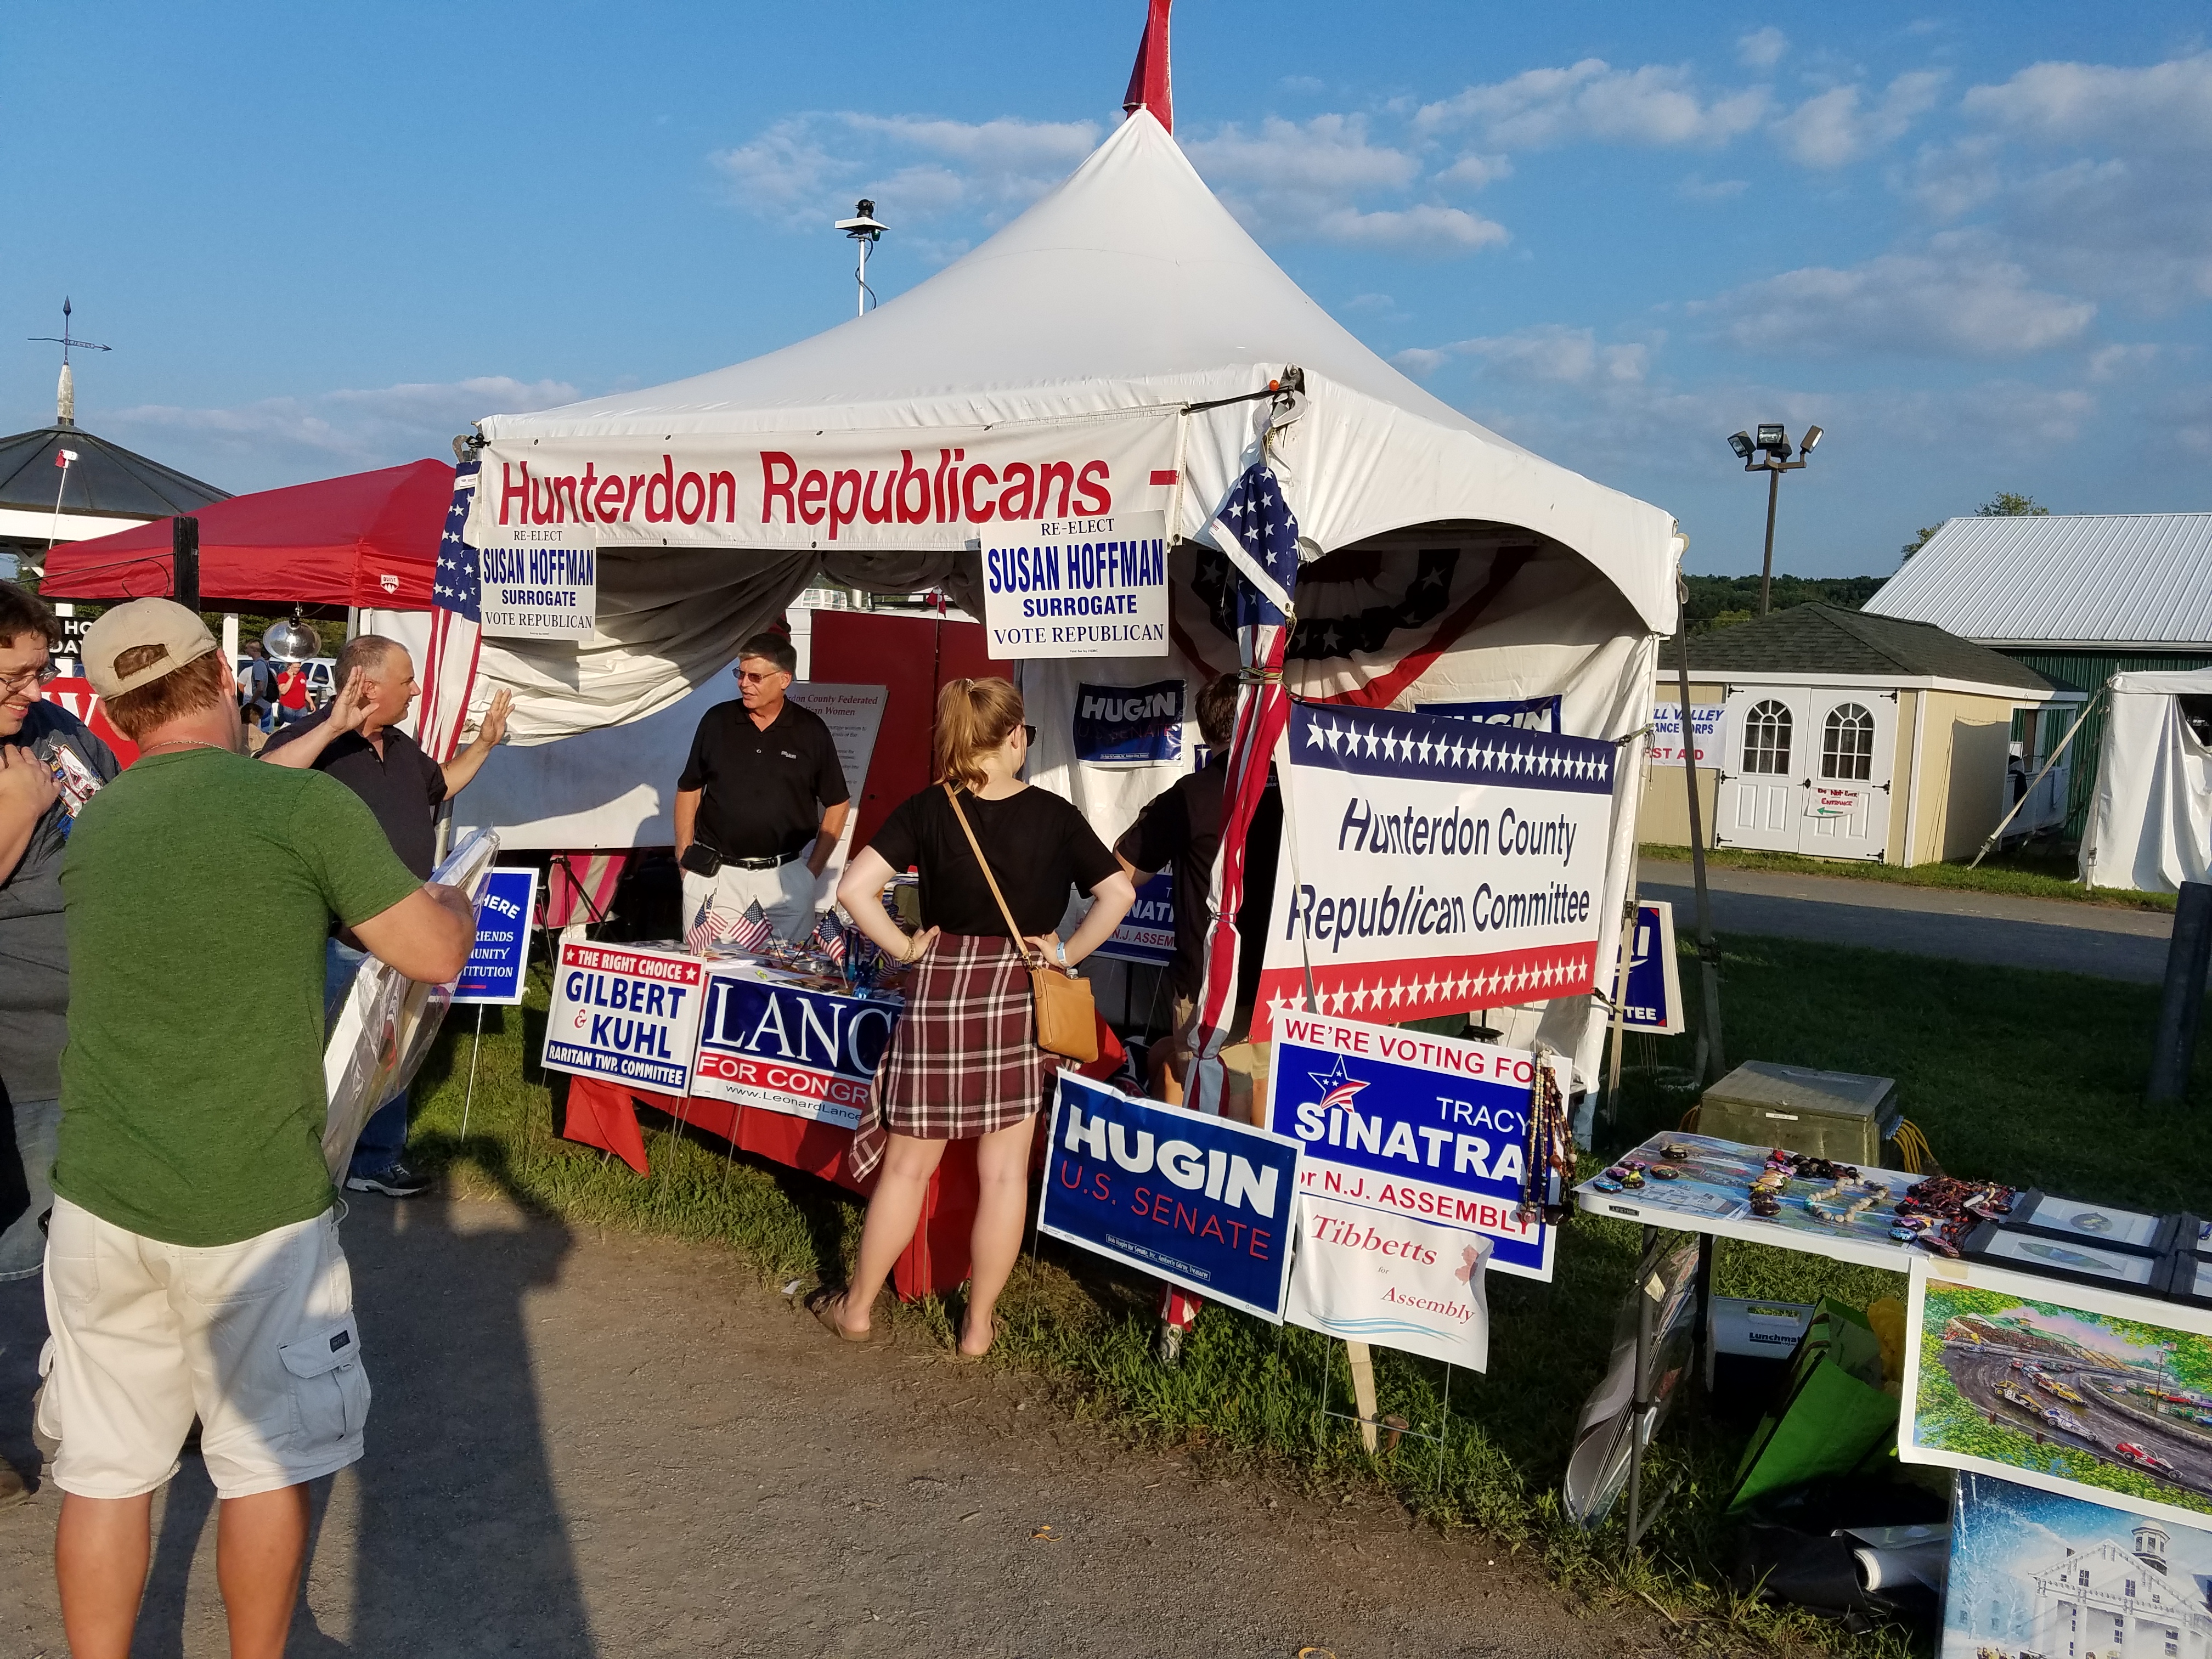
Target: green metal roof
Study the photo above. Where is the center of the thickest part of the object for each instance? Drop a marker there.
(1827, 639)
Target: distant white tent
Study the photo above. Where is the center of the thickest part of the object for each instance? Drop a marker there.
(1107, 346)
(2150, 820)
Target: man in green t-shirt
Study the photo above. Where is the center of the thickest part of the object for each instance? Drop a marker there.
(193, 1264)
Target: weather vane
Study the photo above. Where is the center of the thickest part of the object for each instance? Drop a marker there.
(65, 397)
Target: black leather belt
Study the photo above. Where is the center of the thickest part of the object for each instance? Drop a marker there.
(776, 863)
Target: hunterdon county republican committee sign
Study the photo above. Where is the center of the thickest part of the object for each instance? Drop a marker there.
(806, 1053)
(1094, 587)
(1400, 1125)
(630, 1015)
(1433, 865)
(1202, 1202)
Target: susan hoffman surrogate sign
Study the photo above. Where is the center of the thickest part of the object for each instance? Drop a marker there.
(632, 1016)
(1435, 866)
(1077, 587)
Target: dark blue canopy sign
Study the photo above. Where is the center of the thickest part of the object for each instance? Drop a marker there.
(1129, 725)
(1203, 1202)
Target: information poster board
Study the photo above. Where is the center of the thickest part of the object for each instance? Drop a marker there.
(1433, 865)
(854, 714)
(1705, 727)
(1202, 1202)
(1093, 587)
(498, 962)
(805, 1052)
(628, 1015)
(1400, 1124)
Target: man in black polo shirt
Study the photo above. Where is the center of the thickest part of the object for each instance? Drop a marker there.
(356, 738)
(1181, 830)
(762, 798)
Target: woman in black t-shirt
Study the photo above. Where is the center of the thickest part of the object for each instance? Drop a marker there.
(963, 1063)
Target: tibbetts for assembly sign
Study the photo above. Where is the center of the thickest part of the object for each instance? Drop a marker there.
(1432, 865)
(1077, 587)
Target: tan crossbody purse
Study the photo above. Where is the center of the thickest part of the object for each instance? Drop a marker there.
(1066, 1018)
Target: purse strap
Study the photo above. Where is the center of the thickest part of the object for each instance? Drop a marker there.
(1021, 945)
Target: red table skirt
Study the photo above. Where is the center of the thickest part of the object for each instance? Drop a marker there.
(603, 1114)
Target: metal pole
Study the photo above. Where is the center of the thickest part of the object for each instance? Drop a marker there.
(1709, 955)
(184, 561)
(1766, 564)
(2087, 709)
(470, 1098)
(2181, 1004)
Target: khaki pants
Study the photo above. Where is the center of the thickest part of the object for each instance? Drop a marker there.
(1243, 1063)
(785, 895)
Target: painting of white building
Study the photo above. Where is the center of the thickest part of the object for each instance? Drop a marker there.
(2036, 1576)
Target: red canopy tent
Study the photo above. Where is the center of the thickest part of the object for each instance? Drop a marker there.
(369, 538)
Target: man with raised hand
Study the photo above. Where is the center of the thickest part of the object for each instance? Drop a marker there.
(193, 1266)
(357, 739)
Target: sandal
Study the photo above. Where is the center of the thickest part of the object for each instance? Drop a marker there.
(997, 1330)
(827, 1304)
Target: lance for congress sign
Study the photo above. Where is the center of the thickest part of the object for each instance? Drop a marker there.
(1203, 1202)
(632, 1016)
(1434, 865)
(1400, 1125)
(802, 1052)
(1077, 587)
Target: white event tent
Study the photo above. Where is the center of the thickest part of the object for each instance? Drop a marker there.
(2150, 818)
(1077, 350)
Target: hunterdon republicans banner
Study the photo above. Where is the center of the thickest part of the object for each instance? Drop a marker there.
(1202, 1202)
(835, 488)
(807, 1053)
(1400, 1125)
(631, 1016)
(1431, 865)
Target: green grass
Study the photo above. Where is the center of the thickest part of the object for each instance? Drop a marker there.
(2022, 875)
(2033, 1078)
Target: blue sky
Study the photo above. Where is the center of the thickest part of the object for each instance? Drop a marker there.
(1974, 244)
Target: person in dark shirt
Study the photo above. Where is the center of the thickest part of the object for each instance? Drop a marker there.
(963, 1063)
(762, 799)
(1181, 832)
(357, 739)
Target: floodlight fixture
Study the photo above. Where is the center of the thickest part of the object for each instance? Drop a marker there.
(1812, 437)
(1771, 453)
(1772, 437)
(864, 231)
(1740, 442)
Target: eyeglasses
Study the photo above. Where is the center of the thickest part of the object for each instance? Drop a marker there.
(1029, 736)
(29, 676)
(745, 678)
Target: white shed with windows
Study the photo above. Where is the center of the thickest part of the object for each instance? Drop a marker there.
(1837, 735)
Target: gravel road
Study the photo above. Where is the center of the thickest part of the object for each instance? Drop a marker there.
(588, 1445)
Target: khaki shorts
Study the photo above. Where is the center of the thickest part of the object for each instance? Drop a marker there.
(256, 1339)
(1244, 1062)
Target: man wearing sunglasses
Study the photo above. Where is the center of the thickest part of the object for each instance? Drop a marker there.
(34, 826)
(762, 799)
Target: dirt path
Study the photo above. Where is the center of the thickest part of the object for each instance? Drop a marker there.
(589, 1444)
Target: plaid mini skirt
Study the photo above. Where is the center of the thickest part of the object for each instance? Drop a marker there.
(963, 1060)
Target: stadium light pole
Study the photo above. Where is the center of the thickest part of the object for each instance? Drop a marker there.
(1770, 453)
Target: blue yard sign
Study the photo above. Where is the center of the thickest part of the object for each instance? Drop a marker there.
(1652, 999)
(1203, 1202)
(495, 971)
(1147, 935)
(1399, 1123)
(1129, 725)
(1528, 714)
(812, 1054)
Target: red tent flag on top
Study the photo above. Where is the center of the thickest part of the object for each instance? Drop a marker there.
(1149, 84)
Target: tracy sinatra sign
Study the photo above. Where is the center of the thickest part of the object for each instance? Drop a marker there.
(1434, 865)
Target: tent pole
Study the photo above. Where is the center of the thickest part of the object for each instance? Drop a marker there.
(1709, 955)
(2087, 709)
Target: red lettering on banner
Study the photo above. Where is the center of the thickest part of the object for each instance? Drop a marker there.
(661, 485)
(813, 490)
(1092, 496)
(697, 486)
(1017, 501)
(1063, 470)
(918, 513)
(773, 464)
(872, 510)
(979, 513)
(509, 490)
(723, 485)
(844, 500)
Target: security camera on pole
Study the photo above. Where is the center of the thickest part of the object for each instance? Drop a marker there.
(864, 233)
(1773, 444)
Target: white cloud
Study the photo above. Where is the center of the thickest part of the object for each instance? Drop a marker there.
(358, 428)
(1962, 298)
(1762, 48)
(806, 168)
(2188, 415)
(1474, 172)
(1831, 129)
(2162, 107)
(1300, 83)
(1548, 354)
(1658, 104)
(1309, 181)
(2114, 363)
(1697, 188)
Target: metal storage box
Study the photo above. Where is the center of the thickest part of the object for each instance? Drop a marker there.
(1832, 1115)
